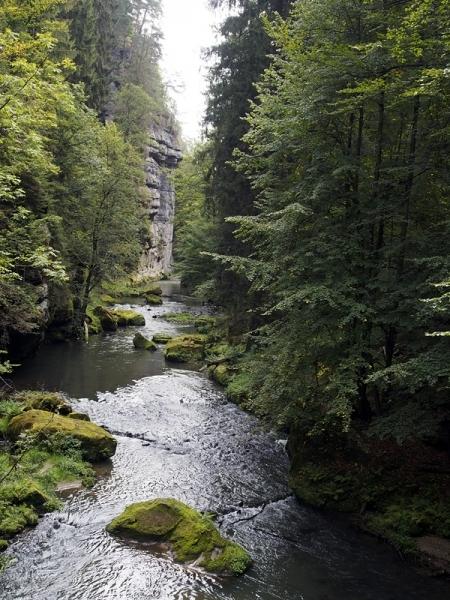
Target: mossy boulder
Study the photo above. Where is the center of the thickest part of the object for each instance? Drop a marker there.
(191, 536)
(108, 319)
(96, 443)
(107, 299)
(26, 491)
(49, 401)
(128, 318)
(93, 322)
(221, 374)
(186, 348)
(14, 519)
(79, 416)
(162, 338)
(153, 299)
(153, 289)
(140, 342)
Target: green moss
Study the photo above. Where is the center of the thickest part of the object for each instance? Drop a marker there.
(153, 299)
(239, 387)
(107, 299)
(41, 400)
(233, 559)
(96, 443)
(9, 408)
(130, 289)
(30, 478)
(140, 342)
(79, 416)
(186, 348)
(191, 535)
(3, 545)
(203, 323)
(14, 519)
(127, 318)
(162, 338)
(221, 374)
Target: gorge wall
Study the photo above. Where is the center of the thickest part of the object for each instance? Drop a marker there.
(163, 154)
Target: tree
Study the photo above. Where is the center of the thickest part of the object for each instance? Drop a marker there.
(33, 88)
(97, 199)
(239, 59)
(195, 227)
(346, 152)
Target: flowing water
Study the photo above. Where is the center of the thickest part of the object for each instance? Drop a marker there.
(179, 437)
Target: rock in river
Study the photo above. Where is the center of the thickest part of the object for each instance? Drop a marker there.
(191, 536)
(140, 342)
(96, 443)
(186, 348)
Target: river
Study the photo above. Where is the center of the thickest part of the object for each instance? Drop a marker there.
(179, 437)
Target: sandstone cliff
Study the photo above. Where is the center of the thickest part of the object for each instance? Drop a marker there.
(162, 154)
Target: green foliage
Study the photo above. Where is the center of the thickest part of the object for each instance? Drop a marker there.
(345, 152)
(135, 110)
(195, 227)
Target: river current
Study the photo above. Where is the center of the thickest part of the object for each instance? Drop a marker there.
(179, 437)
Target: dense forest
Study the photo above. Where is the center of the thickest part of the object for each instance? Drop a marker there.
(312, 220)
(320, 224)
(80, 85)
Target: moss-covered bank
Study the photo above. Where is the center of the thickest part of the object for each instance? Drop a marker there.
(191, 536)
(41, 448)
(399, 492)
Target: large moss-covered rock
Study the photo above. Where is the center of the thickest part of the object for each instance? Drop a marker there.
(153, 299)
(162, 338)
(192, 537)
(127, 318)
(186, 348)
(96, 443)
(140, 342)
(153, 289)
(108, 320)
(221, 373)
(41, 400)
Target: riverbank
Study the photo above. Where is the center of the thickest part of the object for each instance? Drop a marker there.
(398, 492)
(47, 449)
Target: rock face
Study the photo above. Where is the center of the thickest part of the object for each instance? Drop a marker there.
(191, 536)
(162, 153)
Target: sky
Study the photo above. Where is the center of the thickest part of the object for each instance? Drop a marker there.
(188, 27)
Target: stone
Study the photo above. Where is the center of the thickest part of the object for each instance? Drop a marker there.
(128, 318)
(162, 338)
(50, 401)
(79, 416)
(221, 374)
(435, 551)
(191, 536)
(96, 443)
(108, 320)
(153, 299)
(162, 153)
(186, 348)
(140, 342)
